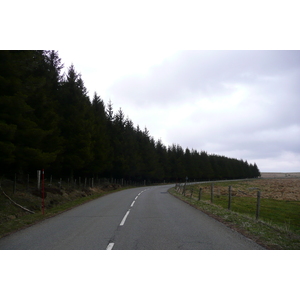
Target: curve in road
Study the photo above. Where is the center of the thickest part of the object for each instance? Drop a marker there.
(134, 219)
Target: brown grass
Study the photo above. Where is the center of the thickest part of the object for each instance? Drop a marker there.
(278, 189)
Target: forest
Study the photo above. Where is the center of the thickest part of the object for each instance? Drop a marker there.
(48, 121)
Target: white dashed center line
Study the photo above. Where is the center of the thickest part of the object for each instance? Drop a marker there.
(124, 219)
(110, 246)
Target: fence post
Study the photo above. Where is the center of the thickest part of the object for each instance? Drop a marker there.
(200, 192)
(229, 198)
(212, 193)
(38, 179)
(191, 193)
(258, 205)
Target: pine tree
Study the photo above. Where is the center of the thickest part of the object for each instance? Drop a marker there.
(23, 89)
(162, 172)
(76, 123)
(100, 141)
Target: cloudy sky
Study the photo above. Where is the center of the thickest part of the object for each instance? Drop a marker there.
(241, 104)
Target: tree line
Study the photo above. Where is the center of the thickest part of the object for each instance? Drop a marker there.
(48, 121)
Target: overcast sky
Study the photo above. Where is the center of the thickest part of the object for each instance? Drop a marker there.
(241, 104)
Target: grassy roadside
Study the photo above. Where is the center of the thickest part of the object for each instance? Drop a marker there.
(263, 233)
(27, 220)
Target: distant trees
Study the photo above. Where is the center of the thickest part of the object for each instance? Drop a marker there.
(48, 121)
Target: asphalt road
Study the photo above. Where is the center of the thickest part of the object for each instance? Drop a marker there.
(135, 219)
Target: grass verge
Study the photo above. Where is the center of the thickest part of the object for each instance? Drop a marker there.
(27, 220)
(266, 234)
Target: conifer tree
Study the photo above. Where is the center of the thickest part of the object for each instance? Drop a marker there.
(100, 141)
(76, 118)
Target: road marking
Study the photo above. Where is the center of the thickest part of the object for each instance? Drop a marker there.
(124, 219)
(110, 246)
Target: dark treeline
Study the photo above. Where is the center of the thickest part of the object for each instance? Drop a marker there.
(48, 121)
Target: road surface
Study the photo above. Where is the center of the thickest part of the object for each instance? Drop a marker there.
(134, 219)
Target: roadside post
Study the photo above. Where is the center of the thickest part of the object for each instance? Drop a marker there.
(38, 179)
(200, 193)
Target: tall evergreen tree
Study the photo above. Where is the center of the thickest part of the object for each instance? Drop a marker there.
(23, 83)
(100, 141)
(76, 118)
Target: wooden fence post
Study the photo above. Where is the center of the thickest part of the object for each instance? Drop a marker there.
(212, 193)
(229, 198)
(192, 193)
(200, 192)
(258, 205)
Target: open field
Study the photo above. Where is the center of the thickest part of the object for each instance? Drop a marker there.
(278, 189)
(280, 175)
(280, 199)
(278, 226)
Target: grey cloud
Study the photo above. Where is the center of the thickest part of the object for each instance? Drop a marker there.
(204, 72)
(262, 124)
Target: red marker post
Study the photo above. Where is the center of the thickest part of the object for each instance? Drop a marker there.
(43, 191)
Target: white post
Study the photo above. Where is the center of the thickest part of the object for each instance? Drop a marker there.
(39, 179)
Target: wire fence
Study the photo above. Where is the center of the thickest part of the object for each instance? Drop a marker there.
(30, 182)
(251, 200)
